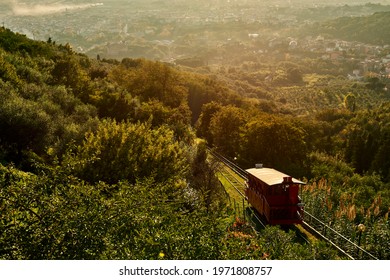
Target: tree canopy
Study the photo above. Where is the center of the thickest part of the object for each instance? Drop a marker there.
(103, 159)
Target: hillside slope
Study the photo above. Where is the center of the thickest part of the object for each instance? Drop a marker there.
(373, 29)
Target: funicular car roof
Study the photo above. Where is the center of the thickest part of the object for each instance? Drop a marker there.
(271, 176)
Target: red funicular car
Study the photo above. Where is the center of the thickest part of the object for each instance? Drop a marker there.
(274, 195)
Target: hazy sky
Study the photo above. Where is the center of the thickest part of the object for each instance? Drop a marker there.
(45, 7)
(21, 8)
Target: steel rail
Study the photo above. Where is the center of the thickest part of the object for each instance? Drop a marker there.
(239, 171)
(313, 230)
(341, 236)
(233, 184)
(243, 196)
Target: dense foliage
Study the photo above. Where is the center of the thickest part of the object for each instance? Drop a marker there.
(99, 158)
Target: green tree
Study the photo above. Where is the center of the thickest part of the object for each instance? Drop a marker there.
(126, 151)
(24, 125)
(67, 71)
(350, 102)
(367, 137)
(56, 216)
(375, 83)
(50, 216)
(276, 142)
(114, 102)
(204, 181)
(150, 80)
(7, 70)
(203, 123)
(294, 75)
(225, 128)
(178, 118)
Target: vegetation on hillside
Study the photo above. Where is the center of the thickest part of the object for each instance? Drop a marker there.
(99, 159)
(371, 29)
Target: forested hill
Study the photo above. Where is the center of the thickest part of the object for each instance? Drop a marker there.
(98, 159)
(54, 95)
(373, 29)
(106, 159)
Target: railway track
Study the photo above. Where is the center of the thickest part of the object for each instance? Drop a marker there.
(237, 187)
(237, 176)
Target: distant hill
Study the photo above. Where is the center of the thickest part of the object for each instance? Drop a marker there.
(373, 29)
